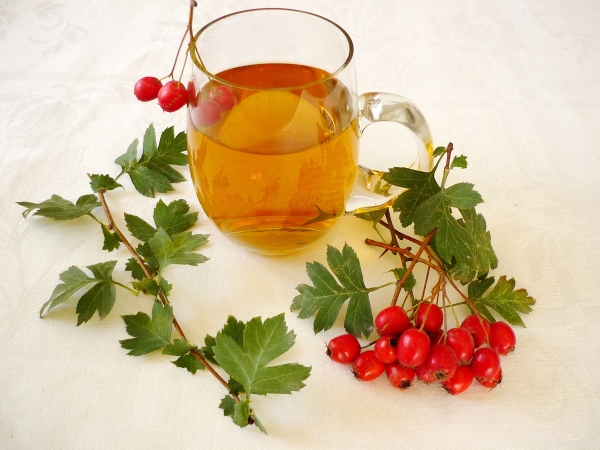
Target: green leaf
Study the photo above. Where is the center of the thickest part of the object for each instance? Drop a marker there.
(58, 208)
(410, 282)
(73, 279)
(484, 258)
(439, 151)
(101, 297)
(233, 328)
(461, 195)
(153, 172)
(241, 413)
(178, 347)
(179, 249)
(189, 362)
(134, 267)
(459, 161)
(372, 216)
(139, 228)
(507, 301)
(326, 297)
(148, 286)
(419, 187)
(451, 239)
(248, 364)
(148, 334)
(175, 217)
(228, 406)
(105, 182)
(111, 240)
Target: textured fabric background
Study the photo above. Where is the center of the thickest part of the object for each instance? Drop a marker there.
(514, 84)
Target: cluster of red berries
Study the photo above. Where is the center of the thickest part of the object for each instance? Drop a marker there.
(420, 349)
(174, 95)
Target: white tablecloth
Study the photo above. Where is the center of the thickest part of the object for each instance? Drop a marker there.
(513, 84)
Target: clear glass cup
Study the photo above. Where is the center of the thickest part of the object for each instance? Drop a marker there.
(274, 124)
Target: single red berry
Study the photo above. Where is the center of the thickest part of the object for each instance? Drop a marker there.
(492, 383)
(479, 327)
(425, 374)
(460, 382)
(172, 96)
(429, 316)
(485, 364)
(343, 349)
(413, 347)
(392, 320)
(366, 367)
(385, 349)
(442, 362)
(207, 113)
(502, 338)
(400, 376)
(223, 96)
(461, 341)
(146, 89)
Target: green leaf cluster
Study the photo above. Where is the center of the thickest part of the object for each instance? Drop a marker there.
(152, 172)
(463, 243)
(245, 351)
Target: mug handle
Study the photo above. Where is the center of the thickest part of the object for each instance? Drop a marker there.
(371, 192)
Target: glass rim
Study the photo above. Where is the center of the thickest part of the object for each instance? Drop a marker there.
(197, 58)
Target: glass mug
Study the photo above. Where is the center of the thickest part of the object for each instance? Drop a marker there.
(274, 122)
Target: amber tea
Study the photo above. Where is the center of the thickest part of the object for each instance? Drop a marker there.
(276, 170)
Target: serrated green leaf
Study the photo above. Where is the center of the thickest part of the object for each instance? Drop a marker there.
(178, 347)
(73, 279)
(175, 217)
(508, 301)
(241, 413)
(58, 208)
(101, 297)
(327, 297)
(105, 182)
(148, 334)
(439, 151)
(148, 286)
(462, 196)
(484, 257)
(189, 362)
(179, 249)
(410, 282)
(459, 162)
(228, 406)
(477, 288)
(153, 172)
(139, 228)
(372, 216)
(136, 270)
(248, 363)
(420, 186)
(111, 240)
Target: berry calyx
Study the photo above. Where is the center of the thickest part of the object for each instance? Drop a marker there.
(223, 96)
(485, 364)
(343, 349)
(460, 382)
(413, 347)
(502, 338)
(172, 96)
(492, 383)
(207, 113)
(441, 362)
(385, 349)
(479, 327)
(146, 89)
(392, 320)
(400, 376)
(462, 343)
(366, 367)
(430, 317)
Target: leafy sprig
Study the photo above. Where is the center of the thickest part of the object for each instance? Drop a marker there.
(458, 249)
(243, 351)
